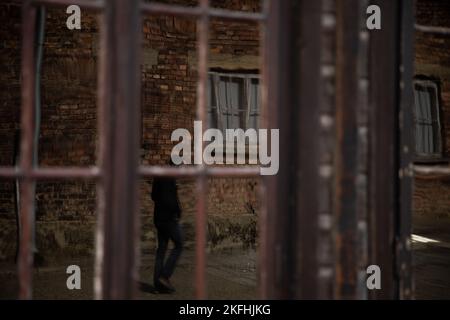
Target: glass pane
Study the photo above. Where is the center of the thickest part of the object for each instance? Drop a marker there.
(253, 121)
(229, 117)
(423, 106)
(254, 96)
(433, 103)
(209, 93)
(212, 118)
(255, 103)
(430, 139)
(427, 139)
(422, 144)
(427, 119)
(242, 115)
(418, 139)
(427, 105)
(231, 100)
(222, 93)
(236, 123)
(436, 138)
(235, 90)
(417, 105)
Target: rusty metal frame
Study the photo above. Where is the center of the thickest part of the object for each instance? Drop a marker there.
(118, 97)
(305, 57)
(26, 151)
(286, 269)
(326, 230)
(275, 253)
(406, 152)
(391, 169)
(119, 105)
(382, 153)
(347, 99)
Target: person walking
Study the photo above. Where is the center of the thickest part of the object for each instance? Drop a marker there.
(166, 217)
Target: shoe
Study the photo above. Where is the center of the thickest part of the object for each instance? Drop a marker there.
(166, 283)
(160, 288)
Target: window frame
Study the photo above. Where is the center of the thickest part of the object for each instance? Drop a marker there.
(434, 156)
(247, 78)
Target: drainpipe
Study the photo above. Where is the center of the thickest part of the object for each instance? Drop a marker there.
(37, 125)
(40, 35)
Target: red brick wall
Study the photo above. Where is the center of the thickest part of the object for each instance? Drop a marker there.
(68, 135)
(68, 130)
(433, 55)
(169, 96)
(432, 59)
(432, 197)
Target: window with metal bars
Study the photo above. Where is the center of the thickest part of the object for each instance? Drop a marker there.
(233, 101)
(426, 118)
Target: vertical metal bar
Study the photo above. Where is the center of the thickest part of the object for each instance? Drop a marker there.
(326, 142)
(200, 226)
(263, 224)
(281, 115)
(406, 150)
(346, 147)
(290, 255)
(119, 95)
(26, 150)
(306, 85)
(106, 74)
(383, 99)
(361, 181)
(276, 283)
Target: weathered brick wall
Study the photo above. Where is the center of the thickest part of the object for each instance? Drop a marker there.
(9, 95)
(169, 95)
(432, 60)
(432, 197)
(66, 211)
(68, 129)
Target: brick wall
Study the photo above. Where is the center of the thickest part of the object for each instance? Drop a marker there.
(68, 130)
(66, 211)
(432, 59)
(9, 96)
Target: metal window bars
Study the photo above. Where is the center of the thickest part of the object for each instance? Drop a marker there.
(117, 171)
(298, 256)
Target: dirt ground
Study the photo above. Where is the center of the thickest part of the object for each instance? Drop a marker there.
(231, 274)
(431, 258)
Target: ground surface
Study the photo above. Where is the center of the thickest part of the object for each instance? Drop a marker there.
(431, 256)
(231, 275)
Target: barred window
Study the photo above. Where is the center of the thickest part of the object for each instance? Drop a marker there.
(426, 119)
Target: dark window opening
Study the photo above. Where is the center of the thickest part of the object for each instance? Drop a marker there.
(428, 141)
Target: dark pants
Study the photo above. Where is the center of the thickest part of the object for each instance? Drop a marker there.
(167, 230)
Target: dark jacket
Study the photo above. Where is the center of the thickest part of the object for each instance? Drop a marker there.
(164, 194)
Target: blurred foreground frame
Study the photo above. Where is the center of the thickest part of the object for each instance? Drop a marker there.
(341, 200)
